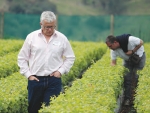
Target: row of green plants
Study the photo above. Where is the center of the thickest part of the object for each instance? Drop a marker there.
(142, 97)
(7, 46)
(86, 54)
(8, 64)
(99, 88)
(13, 93)
(83, 95)
(96, 92)
(14, 87)
(8, 56)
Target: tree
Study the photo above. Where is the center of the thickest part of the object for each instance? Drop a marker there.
(113, 6)
(108, 6)
(31, 6)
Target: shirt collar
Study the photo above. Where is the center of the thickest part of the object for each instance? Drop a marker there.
(54, 34)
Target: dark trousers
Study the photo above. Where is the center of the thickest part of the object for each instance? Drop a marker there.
(131, 77)
(39, 92)
(130, 82)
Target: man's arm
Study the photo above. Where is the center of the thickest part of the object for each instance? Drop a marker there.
(23, 58)
(113, 62)
(69, 59)
(113, 55)
(130, 52)
(138, 46)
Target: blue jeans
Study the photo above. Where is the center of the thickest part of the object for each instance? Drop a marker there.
(40, 91)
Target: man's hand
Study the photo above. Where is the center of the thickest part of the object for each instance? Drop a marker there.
(33, 78)
(130, 52)
(113, 62)
(56, 74)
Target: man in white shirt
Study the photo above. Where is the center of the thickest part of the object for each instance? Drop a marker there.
(44, 57)
(124, 46)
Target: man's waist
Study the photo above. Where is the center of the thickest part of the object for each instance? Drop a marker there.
(41, 76)
(43, 73)
(140, 57)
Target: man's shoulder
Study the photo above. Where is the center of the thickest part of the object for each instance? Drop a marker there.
(133, 38)
(35, 32)
(61, 35)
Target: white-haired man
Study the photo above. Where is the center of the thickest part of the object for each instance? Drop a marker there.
(44, 57)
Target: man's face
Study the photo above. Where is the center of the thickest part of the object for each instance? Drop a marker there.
(48, 27)
(113, 45)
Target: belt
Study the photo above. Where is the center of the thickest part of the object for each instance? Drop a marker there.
(42, 76)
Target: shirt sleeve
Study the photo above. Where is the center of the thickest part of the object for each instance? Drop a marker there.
(23, 58)
(134, 41)
(69, 58)
(113, 55)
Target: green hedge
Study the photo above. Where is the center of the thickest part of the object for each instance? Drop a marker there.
(8, 64)
(96, 92)
(86, 54)
(13, 93)
(7, 46)
(142, 97)
(14, 87)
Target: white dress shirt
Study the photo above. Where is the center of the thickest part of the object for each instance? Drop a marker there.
(132, 43)
(41, 58)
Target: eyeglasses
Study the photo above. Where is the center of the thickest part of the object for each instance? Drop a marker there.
(49, 27)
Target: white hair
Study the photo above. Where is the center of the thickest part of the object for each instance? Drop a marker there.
(48, 16)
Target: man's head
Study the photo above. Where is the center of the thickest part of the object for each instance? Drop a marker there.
(48, 23)
(112, 42)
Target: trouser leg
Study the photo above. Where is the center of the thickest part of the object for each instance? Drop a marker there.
(40, 92)
(130, 82)
(127, 86)
(35, 95)
(53, 89)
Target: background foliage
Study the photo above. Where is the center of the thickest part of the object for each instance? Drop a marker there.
(78, 7)
(30, 6)
(81, 20)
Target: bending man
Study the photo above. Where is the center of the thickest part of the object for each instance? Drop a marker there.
(124, 46)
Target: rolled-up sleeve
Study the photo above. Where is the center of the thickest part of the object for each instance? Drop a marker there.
(113, 55)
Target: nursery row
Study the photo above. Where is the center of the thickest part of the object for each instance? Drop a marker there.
(96, 92)
(142, 97)
(14, 87)
(95, 84)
